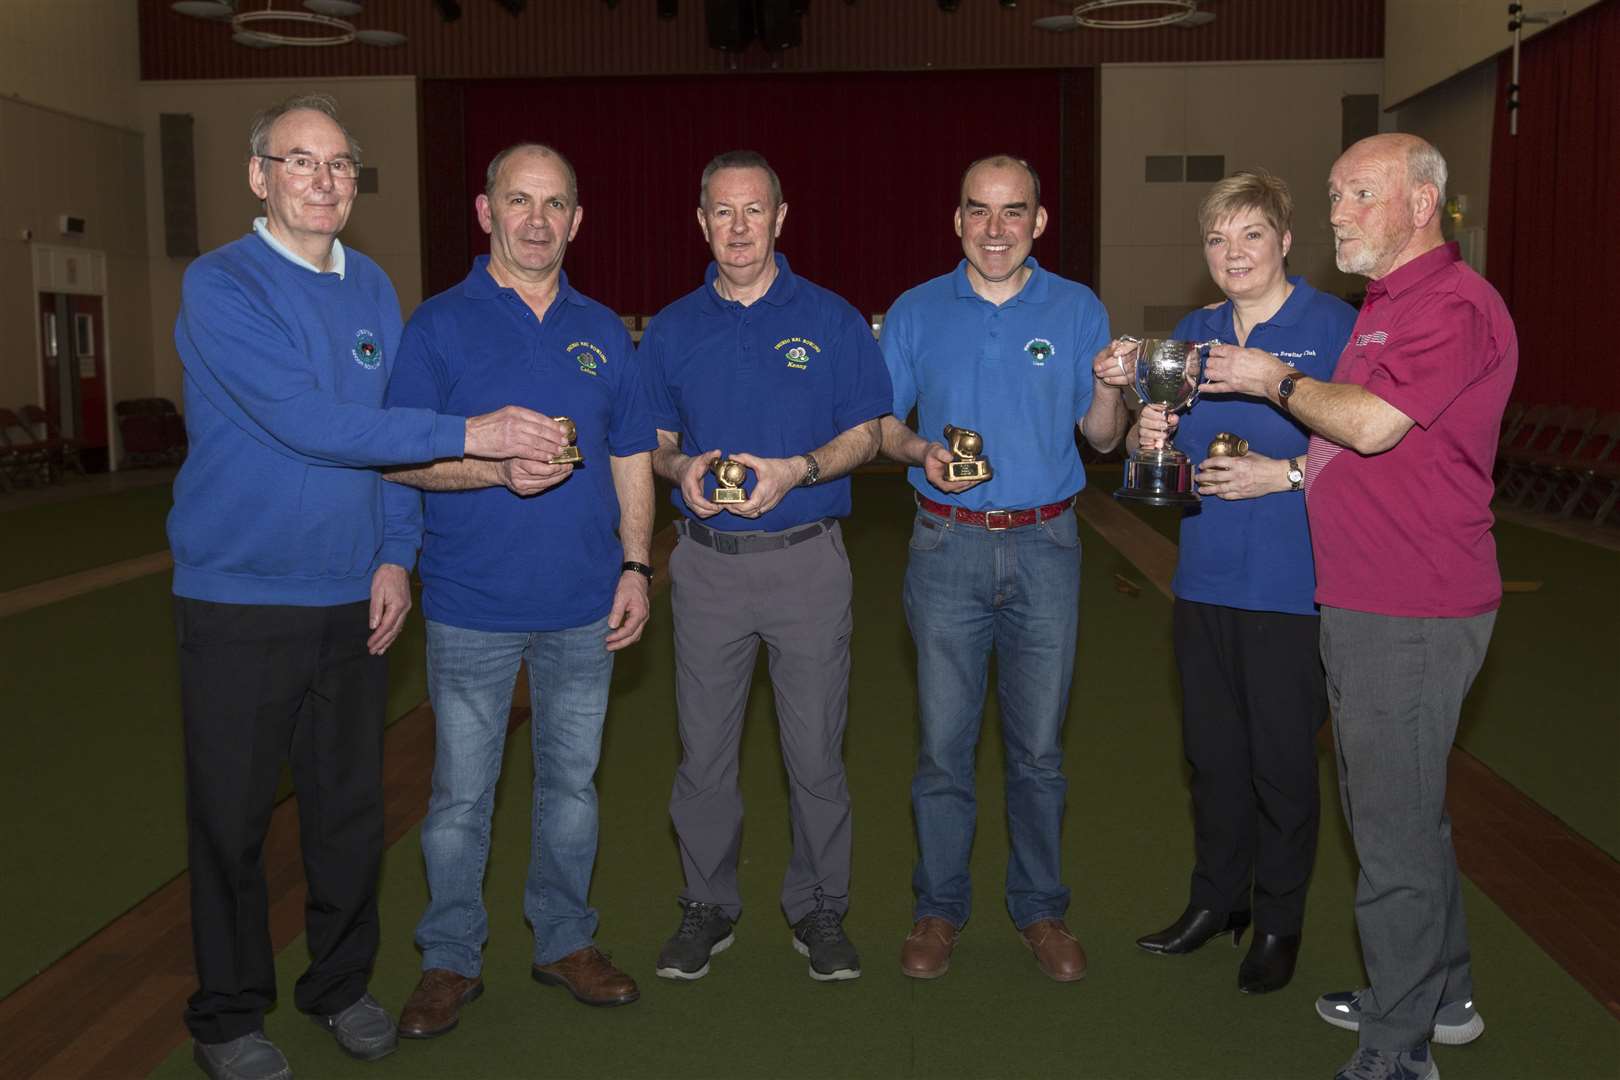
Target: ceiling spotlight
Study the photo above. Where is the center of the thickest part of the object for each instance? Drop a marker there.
(340, 8)
(203, 9)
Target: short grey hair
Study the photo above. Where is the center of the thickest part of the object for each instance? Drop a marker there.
(1424, 165)
(493, 173)
(739, 159)
(325, 104)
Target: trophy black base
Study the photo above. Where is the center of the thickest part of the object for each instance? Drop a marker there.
(970, 470)
(569, 456)
(1158, 479)
(729, 495)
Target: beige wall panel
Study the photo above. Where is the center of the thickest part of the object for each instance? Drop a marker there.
(1285, 116)
(1457, 117)
(1144, 111)
(52, 164)
(1428, 41)
(379, 112)
(76, 56)
(1138, 272)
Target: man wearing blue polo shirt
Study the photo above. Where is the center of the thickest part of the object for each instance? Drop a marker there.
(545, 565)
(1005, 348)
(761, 366)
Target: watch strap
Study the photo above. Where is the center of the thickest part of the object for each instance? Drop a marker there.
(639, 567)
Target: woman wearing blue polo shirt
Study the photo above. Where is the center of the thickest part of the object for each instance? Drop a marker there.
(1245, 622)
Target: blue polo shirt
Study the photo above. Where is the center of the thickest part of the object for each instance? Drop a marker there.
(1255, 554)
(1019, 374)
(778, 378)
(492, 560)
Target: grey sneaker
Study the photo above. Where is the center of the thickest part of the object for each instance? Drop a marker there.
(704, 931)
(364, 1030)
(1390, 1065)
(820, 936)
(1456, 1022)
(250, 1057)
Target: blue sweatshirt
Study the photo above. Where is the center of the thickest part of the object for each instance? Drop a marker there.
(279, 501)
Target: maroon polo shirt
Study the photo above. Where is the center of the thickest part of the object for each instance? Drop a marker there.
(1407, 532)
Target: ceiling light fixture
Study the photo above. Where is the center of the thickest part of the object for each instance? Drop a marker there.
(325, 23)
(1127, 15)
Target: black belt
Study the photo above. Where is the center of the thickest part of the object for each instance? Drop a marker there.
(747, 543)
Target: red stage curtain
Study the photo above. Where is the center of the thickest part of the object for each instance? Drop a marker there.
(869, 165)
(1553, 238)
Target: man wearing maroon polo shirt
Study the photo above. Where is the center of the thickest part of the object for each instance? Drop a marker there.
(1398, 489)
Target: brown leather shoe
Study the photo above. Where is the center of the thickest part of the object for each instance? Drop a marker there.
(434, 1007)
(927, 951)
(1057, 951)
(590, 976)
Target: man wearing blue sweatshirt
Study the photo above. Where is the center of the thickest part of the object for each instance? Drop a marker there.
(287, 588)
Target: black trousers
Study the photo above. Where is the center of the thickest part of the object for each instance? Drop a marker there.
(261, 685)
(1253, 697)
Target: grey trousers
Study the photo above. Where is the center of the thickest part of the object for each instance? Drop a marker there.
(1396, 687)
(796, 601)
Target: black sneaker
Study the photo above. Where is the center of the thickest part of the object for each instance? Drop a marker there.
(820, 936)
(704, 931)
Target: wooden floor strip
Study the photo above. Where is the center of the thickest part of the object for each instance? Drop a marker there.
(68, 586)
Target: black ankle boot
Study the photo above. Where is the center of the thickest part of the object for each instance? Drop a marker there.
(1269, 964)
(1194, 929)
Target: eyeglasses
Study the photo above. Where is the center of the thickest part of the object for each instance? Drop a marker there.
(341, 168)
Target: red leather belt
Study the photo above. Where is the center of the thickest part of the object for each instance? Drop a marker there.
(994, 520)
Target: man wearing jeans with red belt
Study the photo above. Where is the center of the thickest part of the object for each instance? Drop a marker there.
(1005, 348)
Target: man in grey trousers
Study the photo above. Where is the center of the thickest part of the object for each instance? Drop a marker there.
(1398, 490)
(761, 367)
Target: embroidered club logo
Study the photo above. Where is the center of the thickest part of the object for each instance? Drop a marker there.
(588, 355)
(796, 351)
(367, 351)
(1039, 349)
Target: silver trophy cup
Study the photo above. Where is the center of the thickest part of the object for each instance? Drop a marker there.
(1167, 373)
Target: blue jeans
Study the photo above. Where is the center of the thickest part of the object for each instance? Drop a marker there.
(470, 678)
(968, 591)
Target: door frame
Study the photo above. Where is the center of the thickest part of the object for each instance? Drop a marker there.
(49, 261)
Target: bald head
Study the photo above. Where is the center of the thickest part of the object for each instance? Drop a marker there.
(1385, 194)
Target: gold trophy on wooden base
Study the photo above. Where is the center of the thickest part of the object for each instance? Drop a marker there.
(570, 454)
(729, 476)
(967, 445)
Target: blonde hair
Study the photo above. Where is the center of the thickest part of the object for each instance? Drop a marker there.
(1256, 190)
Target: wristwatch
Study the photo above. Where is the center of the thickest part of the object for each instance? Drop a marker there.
(1285, 390)
(639, 567)
(1296, 477)
(812, 470)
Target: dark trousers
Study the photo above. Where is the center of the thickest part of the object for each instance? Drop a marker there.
(261, 685)
(1253, 698)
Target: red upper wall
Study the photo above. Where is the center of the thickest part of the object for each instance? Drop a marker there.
(586, 37)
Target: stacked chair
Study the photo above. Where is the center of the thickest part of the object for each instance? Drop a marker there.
(63, 452)
(153, 431)
(1556, 459)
